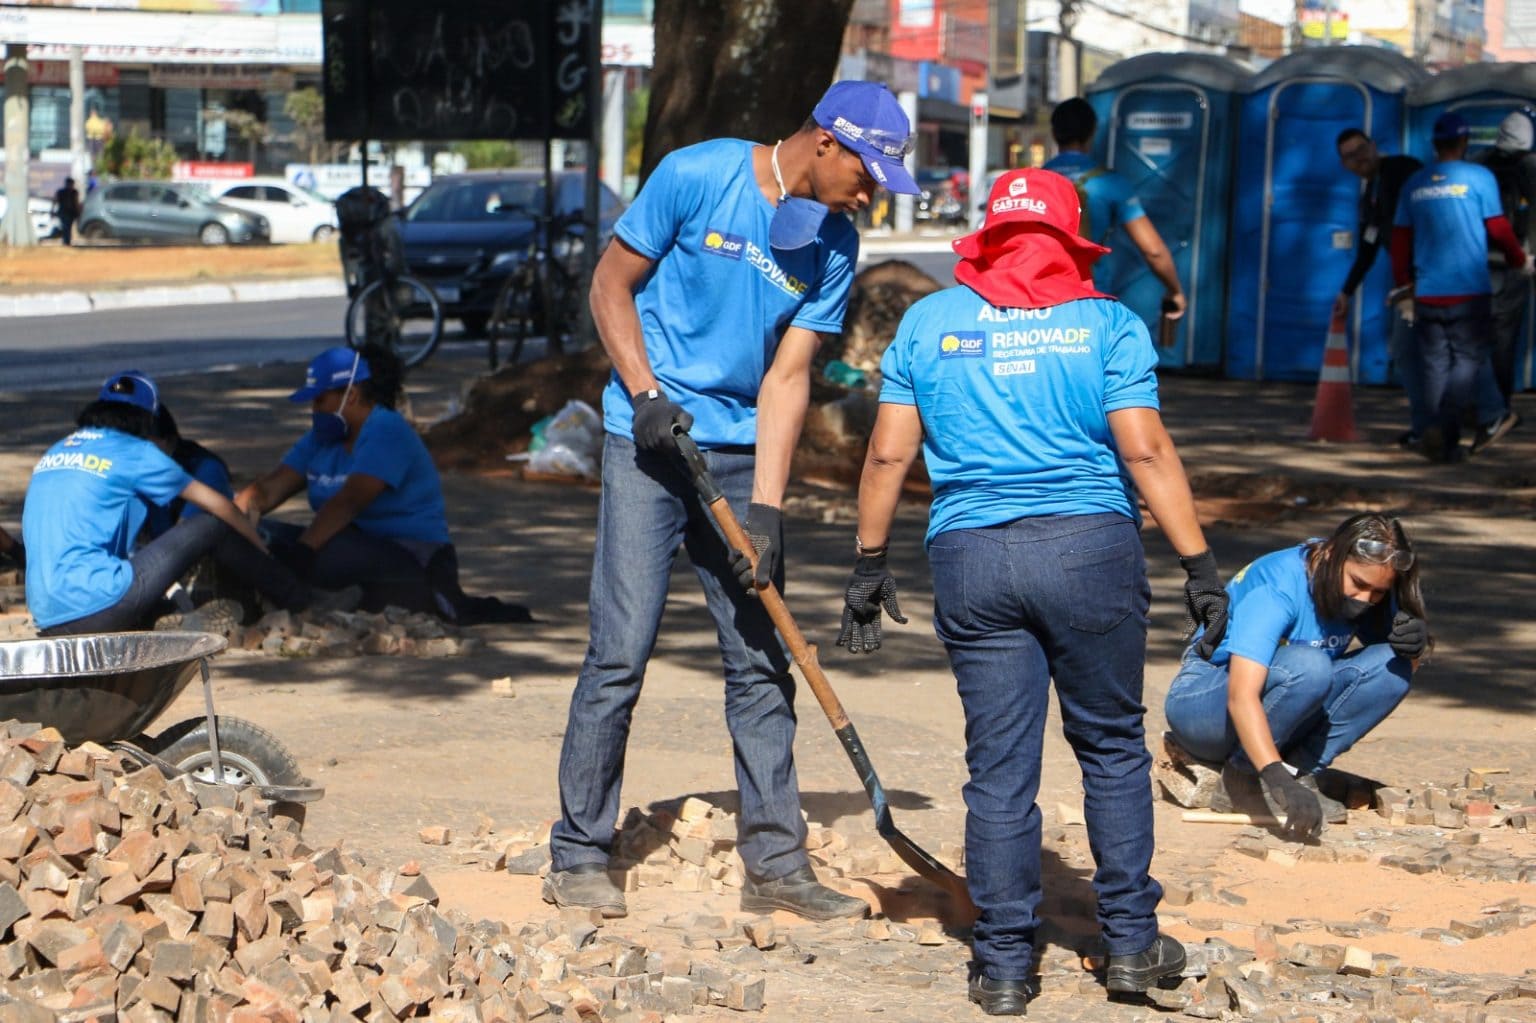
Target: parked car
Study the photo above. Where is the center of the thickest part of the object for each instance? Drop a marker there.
(466, 233)
(164, 211)
(44, 223)
(295, 213)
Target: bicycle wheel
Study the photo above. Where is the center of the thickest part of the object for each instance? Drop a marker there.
(401, 313)
(509, 316)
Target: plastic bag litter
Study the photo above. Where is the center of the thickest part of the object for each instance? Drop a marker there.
(572, 443)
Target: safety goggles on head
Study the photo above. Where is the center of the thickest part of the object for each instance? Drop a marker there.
(1380, 552)
(889, 143)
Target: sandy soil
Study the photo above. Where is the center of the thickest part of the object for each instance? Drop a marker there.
(404, 743)
(112, 265)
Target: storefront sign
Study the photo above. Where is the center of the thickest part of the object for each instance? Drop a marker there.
(221, 76)
(210, 170)
(56, 72)
(139, 37)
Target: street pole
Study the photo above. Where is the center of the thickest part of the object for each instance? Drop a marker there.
(906, 204)
(16, 228)
(975, 196)
(79, 159)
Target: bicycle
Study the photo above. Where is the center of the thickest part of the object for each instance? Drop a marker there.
(545, 279)
(388, 306)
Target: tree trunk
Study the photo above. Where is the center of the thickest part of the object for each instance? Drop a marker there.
(749, 69)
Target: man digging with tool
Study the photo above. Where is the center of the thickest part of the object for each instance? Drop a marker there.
(722, 275)
(1033, 399)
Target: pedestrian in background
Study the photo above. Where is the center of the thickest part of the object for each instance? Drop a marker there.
(731, 262)
(66, 206)
(1513, 166)
(1033, 400)
(1286, 691)
(1448, 214)
(1107, 199)
(1384, 177)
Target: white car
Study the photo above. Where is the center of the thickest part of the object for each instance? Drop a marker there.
(44, 223)
(295, 213)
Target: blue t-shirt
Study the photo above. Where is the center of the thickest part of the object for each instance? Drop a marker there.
(1111, 201)
(718, 300)
(85, 506)
(387, 448)
(1271, 605)
(1015, 404)
(1446, 205)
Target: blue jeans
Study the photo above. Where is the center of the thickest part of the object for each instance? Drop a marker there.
(1017, 605)
(388, 571)
(155, 566)
(1410, 370)
(647, 510)
(1496, 377)
(1317, 707)
(1454, 343)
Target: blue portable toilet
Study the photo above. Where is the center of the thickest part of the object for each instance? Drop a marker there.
(1483, 94)
(1168, 125)
(1295, 210)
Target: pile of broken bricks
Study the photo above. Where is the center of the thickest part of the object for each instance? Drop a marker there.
(1481, 798)
(125, 895)
(690, 847)
(391, 632)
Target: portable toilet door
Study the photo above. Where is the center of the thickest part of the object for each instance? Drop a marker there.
(1296, 211)
(1167, 128)
(1483, 94)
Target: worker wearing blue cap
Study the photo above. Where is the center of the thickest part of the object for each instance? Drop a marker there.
(1447, 215)
(724, 273)
(86, 503)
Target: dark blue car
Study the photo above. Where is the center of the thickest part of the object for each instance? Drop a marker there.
(466, 233)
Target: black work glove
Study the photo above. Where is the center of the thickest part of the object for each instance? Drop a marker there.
(1205, 602)
(766, 531)
(17, 555)
(298, 558)
(1409, 635)
(655, 415)
(870, 588)
(1303, 814)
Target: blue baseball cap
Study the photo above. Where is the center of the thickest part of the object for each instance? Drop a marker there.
(131, 387)
(866, 118)
(1450, 127)
(332, 370)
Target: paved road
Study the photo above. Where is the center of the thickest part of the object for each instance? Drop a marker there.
(58, 352)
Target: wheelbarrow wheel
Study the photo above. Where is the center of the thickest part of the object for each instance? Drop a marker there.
(248, 753)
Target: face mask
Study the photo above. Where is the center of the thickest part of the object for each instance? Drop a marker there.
(796, 221)
(1353, 609)
(331, 427)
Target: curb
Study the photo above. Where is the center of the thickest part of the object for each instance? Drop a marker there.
(65, 303)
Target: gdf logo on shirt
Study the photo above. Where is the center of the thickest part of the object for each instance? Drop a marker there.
(721, 244)
(962, 344)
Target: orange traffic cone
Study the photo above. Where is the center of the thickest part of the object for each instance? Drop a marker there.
(1333, 413)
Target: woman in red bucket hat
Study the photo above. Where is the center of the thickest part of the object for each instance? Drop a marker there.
(1033, 399)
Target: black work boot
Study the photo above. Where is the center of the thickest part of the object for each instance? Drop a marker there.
(799, 892)
(1239, 792)
(1133, 974)
(1000, 997)
(587, 886)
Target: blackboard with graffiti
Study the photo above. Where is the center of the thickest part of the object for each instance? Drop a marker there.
(471, 69)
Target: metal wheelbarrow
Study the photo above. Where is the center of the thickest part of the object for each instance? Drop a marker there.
(108, 688)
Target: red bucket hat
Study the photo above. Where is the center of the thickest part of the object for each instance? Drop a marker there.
(1031, 199)
(1027, 252)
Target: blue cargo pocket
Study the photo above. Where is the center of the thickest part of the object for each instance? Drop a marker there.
(1100, 585)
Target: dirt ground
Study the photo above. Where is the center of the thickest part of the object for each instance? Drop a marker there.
(114, 265)
(402, 743)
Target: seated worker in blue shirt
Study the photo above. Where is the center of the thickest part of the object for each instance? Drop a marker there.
(1282, 695)
(87, 502)
(1034, 402)
(379, 516)
(200, 463)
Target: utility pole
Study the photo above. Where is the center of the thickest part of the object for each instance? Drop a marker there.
(16, 228)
